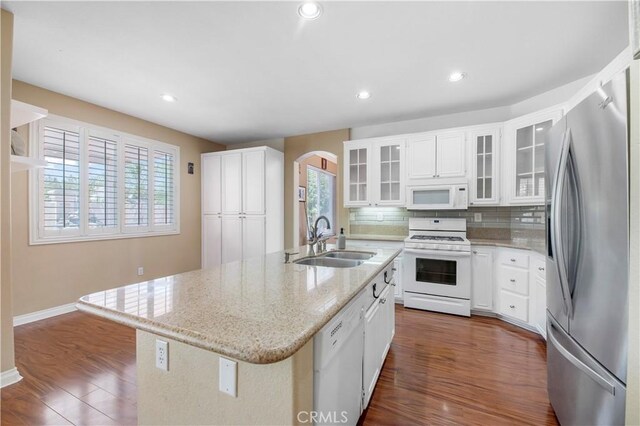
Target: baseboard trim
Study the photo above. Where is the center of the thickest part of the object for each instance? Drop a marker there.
(43, 314)
(9, 377)
(512, 321)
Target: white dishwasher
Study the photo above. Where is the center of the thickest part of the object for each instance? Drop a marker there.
(337, 367)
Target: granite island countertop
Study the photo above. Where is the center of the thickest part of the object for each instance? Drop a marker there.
(260, 310)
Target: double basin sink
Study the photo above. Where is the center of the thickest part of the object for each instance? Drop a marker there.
(337, 259)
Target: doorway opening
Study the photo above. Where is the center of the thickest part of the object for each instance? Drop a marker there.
(315, 194)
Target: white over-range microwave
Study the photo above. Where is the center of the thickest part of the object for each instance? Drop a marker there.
(438, 197)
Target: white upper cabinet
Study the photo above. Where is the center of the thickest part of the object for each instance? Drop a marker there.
(253, 182)
(374, 172)
(525, 138)
(232, 183)
(450, 154)
(421, 158)
(436, 155)
(388, 176)
(357, 163)
(485, 161)
(211, 188)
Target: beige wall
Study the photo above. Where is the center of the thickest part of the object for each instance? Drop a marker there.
(315, 161)
(6, 359)
(294, 148)
(633, 373)
(188, 394)
(50, 275)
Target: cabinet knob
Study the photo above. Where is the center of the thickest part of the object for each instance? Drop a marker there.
(512, 280)
(512, 306)
(513, 260)
(540, 268)
(383, 300)
(475, 252)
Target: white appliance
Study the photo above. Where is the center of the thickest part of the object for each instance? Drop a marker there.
(436, 266)
(337, 371)
(438, 197)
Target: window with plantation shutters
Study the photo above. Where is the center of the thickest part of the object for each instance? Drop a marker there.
(136, 186)
(102, 181)
(60, 212)
(100, 184)
(163, 188)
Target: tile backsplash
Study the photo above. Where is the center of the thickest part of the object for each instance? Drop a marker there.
(494, 222)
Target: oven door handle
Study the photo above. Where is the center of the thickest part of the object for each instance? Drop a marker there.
(440, 253)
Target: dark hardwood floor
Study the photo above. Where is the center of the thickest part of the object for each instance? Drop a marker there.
(441, 369)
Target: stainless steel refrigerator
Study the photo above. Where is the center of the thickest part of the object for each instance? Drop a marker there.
(587, 201)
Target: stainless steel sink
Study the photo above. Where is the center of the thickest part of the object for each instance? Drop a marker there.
(348, 254)
(329, 262)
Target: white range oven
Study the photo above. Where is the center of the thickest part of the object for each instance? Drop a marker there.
(437, 266)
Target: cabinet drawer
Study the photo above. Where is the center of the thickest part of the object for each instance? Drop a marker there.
(538, 266)
(514, 258)
(514, 279)
(514, 305)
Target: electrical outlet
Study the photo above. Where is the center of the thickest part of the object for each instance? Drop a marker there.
(228, 377)
(352, 216)
(162, 355)
(140, 271)
(477, 217)
(380, 217)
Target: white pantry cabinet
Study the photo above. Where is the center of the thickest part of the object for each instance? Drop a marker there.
(239, 219)
(485, 166)
(436, 155)
(510, 283)
(374, 172)
(525, 138)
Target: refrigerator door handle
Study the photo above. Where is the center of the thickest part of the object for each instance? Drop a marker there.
(556, 222)
(605, 384)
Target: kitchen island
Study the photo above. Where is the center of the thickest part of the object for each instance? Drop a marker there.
(261, 313)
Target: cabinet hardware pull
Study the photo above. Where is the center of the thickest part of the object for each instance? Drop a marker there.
(383, 300)
(513, 260)
(475, 252)
(512, 306)
(374, 291)
(512, 280)
(385, 278)
(540, 268)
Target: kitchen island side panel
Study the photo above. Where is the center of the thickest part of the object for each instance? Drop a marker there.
(189, 392)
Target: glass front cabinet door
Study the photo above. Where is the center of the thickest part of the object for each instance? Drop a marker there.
(485, 145)
(389, 176)
(357, 164)
(526, 160)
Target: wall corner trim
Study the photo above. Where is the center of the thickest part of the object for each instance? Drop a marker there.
(9, 377)
(43, 314)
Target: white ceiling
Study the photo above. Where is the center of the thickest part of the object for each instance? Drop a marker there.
(254, 70)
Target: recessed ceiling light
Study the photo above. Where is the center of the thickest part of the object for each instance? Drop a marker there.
(539, 129)
(363, 95)
(457, 76)
(168, 98)
(309, 10)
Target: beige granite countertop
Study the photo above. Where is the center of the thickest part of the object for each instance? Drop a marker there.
(260, 310)
(535, 244)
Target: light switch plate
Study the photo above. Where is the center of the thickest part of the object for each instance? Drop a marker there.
(228, 377)
(477, 217)
(140, 270)
(380, 217)
(352, 216)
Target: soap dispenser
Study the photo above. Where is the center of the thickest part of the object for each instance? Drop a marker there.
(342, 240)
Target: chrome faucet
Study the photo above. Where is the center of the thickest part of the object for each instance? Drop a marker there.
(315, 238)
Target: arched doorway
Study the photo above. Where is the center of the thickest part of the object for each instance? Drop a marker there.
(315, 193)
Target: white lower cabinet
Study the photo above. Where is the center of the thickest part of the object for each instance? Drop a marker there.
(253, 236)
(377, 339)
(397, 280)
(510, 283)
(482, 282)
(231, 238)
